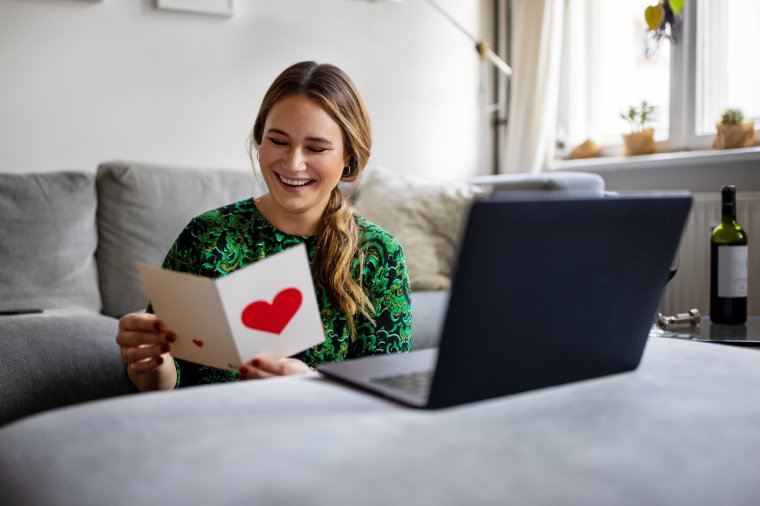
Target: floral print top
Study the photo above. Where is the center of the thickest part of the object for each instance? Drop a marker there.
(229, 238)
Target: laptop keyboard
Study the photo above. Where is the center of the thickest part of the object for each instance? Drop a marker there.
(415, 383)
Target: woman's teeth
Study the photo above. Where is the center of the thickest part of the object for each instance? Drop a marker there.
(294, 182)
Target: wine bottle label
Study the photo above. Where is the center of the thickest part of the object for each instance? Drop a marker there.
(732, 271)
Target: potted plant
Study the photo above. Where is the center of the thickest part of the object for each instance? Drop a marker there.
(641, 139)
(733, 131)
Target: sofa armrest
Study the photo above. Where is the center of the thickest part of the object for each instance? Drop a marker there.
(585, 182)
(56, 359)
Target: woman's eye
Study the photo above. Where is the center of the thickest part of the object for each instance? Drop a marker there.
(277, 142)
(317, 150)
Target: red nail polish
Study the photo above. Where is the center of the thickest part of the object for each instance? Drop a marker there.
(243, 369)
(156, 326)
(159, 360)
(171, 338)
(255, 362)
(165, 348)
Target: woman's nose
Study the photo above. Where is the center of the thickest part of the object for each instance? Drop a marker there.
(295, 160)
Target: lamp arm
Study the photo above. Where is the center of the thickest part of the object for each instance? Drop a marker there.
(481, 46)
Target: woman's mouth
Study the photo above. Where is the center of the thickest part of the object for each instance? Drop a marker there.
(294, 182)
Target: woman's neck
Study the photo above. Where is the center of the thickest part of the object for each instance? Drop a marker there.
(300, 224)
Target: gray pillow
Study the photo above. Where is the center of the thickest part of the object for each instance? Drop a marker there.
(141, 210)
(48, 241)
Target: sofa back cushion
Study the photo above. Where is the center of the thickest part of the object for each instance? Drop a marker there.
(141, 210)
(424, 216)
(48, 241)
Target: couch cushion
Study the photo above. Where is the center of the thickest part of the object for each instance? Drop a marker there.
(55, 359)
(425, 216)
(142, 208)
(49, 240)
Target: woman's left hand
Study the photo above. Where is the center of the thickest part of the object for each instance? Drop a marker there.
(267, 367)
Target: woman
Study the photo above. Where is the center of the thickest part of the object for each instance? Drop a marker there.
(312, 132)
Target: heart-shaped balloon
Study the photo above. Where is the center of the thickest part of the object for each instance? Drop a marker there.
(655, 15)
(274, 317)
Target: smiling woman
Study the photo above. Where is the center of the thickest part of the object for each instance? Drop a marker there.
(312, 132)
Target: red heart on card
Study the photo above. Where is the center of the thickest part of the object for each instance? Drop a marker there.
(198, 343)
(261, 315)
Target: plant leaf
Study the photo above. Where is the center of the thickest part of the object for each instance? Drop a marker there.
(675, 6)
(655, 15)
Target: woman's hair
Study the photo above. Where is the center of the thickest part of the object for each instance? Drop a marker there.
(338, 238)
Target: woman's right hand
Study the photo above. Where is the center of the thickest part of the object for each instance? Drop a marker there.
(145, 344)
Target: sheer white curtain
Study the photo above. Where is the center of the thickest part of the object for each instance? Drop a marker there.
(536, 43)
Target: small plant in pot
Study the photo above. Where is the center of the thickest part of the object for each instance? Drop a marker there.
(641, 139)
(733, 132)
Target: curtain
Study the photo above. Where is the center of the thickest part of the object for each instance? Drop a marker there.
(536, 43)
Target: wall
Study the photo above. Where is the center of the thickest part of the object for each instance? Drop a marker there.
(84, 82)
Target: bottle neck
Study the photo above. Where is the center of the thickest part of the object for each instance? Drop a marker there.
(728, 207)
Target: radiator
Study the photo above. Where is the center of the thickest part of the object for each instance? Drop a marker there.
(690, 288)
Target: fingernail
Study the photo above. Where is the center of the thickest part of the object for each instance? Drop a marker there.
(156, 326)
(171, 338)
(165, 348)
(159, 360)
(244, 369)
(255, 362)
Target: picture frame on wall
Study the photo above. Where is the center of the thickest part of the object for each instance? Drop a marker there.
(211, 7)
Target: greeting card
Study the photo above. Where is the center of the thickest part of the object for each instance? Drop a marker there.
(267, 308)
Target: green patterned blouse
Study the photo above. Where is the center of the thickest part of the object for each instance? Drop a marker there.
(234, 236)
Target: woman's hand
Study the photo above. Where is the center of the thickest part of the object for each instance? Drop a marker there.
(267, 367)
(145, 344)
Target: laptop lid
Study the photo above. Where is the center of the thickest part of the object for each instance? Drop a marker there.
(549, 289)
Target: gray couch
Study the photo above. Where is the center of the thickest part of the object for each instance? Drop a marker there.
(682, 429)
(70, 241)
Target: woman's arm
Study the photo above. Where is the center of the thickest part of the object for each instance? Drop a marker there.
(387, 279)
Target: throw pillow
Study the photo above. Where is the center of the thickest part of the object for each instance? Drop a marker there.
(141, 210)
(425, 217)
(48, 245)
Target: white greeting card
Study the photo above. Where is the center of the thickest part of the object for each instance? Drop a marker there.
(267, 308)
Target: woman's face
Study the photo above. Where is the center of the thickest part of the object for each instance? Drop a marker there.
(302, 158)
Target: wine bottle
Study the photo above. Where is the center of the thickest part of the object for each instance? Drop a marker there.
(728, 265)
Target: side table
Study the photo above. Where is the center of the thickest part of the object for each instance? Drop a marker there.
(747, 334)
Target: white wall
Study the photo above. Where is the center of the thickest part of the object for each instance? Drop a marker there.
(85, 82)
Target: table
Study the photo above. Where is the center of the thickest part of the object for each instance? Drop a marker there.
(744, 335)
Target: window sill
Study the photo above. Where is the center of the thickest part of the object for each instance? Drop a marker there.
(695, 171)
(659, 160)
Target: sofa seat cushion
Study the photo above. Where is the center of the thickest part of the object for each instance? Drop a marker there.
(664, 434)
(141, 210)
(49, 240)
(57, 358)
(429, 311)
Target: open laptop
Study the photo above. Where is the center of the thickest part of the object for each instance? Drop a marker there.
(546, 290)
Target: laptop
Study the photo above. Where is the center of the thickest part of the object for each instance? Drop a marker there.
(547, 290)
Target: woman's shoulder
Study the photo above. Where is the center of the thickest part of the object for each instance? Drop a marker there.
(373, 235)
(244, 209)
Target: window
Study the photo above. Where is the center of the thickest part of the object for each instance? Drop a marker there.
(728, 75)
(708, 68)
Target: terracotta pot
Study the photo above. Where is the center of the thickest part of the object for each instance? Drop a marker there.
(737, 135)
(639, 143)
